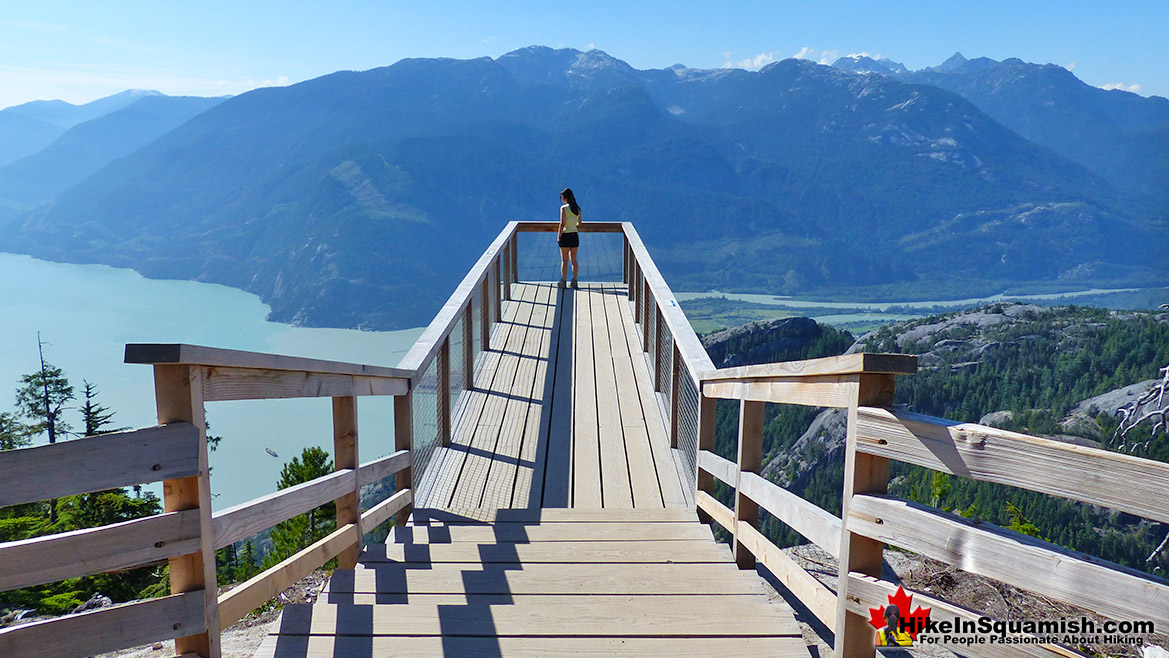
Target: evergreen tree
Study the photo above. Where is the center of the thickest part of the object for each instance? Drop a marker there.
(41, 399)
(96, 416)
(13, 433)
(300, 531)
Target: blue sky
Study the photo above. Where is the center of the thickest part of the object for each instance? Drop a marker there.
(82, 51)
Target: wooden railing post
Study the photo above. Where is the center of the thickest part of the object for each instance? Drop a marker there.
(863, 474)
(178, 391)
(625, 262)
(404, 440)
(515, 258)
(468, 351)
(345, 456)
(750, 460)
(648, 299)
(506, 265)
(675, 386)
(444, 393)
(635, 290)
(657, 338)
(707, 422)
(496, 292)
(485, 311)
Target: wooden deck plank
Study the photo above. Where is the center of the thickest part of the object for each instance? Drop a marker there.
(586, 452)
(317, 646)
(571, 616)
(518, 427)
(557, 435)
(521, 533)
(610, 579)
(643, 475)
(454, 516)
(473, 478)
(616, 490)
(442, 484)
(529, 472)
(655, 424)
(697, 551)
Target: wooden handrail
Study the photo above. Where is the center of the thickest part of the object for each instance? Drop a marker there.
(1088, 475)
(430, 342)
(198, 355)
(860, 363)
(689, 347)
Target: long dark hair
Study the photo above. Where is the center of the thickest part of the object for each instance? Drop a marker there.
(572, 205)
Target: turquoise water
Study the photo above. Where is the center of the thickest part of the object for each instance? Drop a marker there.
(780, 300)
(87, 313)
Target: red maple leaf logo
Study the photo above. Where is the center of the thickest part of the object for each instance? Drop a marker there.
(910, 622)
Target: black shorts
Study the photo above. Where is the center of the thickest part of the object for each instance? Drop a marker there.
(569, 240)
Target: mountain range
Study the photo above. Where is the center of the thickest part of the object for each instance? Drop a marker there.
(359, 199)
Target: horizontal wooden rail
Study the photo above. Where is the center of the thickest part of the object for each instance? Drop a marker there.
(380, 513)
(97, 463)
(246, 519)
(88, 551)
(845, 364)
(198, 355)
(223, 384)
(723, 469)
(1090, 475)
(811, 592)
(108, 629)
(585, 227)
(1013, 558)
(818, 525)
(868, 592)
(270, 583)
(813, 391)
(689, 347)
(722, 514)
(431, 340)
(383, 467)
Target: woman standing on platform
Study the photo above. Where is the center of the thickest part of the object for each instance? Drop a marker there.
(567, 236)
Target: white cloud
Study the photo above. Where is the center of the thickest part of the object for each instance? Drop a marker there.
(751, 63)
(1136, 89)
(819, 56)
(1071, 66)
(490, 39)
(592, 46)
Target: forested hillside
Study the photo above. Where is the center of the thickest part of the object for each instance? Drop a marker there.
(1019, 367)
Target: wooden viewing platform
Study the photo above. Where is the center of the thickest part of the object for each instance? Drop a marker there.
(554, 474)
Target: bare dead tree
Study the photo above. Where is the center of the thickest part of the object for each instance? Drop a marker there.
(1151, 407)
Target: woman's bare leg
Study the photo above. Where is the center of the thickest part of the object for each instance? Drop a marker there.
(575, 267)
(564, 263)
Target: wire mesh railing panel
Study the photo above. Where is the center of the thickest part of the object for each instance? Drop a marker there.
(688, 426)
(493, 299)
(475, 317)
(458, 355)
(666, 361)
(426, 419)
(651, 318)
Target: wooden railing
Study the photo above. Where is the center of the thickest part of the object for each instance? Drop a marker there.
(425, 387)
(876, 433)
(188, 534)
